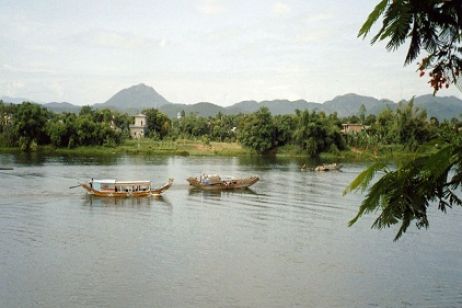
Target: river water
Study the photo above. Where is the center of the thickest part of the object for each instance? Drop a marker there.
(285, 243)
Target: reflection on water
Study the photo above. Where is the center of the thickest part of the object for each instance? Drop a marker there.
(218, 193)
(282, 243)
(147, 201)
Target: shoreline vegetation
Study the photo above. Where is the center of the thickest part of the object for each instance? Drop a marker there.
(187, 147)
(306, 136)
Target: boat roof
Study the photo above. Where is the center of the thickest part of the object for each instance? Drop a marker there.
(112, 181)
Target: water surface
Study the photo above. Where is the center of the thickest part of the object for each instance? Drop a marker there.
(284, 243)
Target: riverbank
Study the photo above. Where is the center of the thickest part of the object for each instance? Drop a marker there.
(149, 147)
(197, 148)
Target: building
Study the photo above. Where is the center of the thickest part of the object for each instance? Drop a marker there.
(138, 130)
(352, 128)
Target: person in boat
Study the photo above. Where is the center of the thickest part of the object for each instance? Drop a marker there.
(91, 183)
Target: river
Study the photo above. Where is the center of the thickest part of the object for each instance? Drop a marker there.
(285, 243)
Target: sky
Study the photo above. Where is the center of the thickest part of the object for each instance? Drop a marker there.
(192, 51)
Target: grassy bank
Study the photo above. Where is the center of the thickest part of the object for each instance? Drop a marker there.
(388, 152)
(198, 148)
(150, 147)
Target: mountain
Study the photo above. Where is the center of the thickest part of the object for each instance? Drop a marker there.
(62, 107)
(137, 97)
(279, 107)
(440, 107)
(204, 109)
(349, 104)
(15, 100)
(243, 107)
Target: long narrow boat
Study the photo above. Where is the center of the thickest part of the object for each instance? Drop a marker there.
(114, 188)
(215, 182)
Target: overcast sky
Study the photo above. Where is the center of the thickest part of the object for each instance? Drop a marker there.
(197, 50)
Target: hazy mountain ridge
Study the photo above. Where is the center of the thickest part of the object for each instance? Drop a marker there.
(139, 97)
(62, 107)
(204, 109)
(136, 98)
(440, 107)
(16, 100)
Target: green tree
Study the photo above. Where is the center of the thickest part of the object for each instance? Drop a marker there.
(194, 126)
(158, 123)
(258, 132)
(284, 125)
(314, 133)
(87, 130)
(362, 113)
(411, 127)
(61, 130)
(404, 195)
(29, 125)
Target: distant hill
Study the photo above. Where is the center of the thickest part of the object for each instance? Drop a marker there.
(440, 107)
(137, 97)
(278, 107)
(203, 109)
(15, 100)
(349, 104)
(243, 107)
(62, 107)
(344, 105)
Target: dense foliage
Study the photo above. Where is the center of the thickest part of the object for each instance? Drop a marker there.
(316, 133)
(259, 132)
(158, 123)
(28, 125)
(404, 195)
(308, 132)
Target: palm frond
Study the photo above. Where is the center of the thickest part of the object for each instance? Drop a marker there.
(372, 18)
(414, 47)
(364, 178)
(374, 199)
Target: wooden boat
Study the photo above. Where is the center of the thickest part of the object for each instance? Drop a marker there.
(328, 167)
(113, 188)
(215, 182)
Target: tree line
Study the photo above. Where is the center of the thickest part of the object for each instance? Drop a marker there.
(29, 125)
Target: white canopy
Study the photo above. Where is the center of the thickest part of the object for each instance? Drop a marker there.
(110, 181)
(106, 181)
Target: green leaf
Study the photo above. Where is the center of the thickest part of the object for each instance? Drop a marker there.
(364, 178)
(373, 16)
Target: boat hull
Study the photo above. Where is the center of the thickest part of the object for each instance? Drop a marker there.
(225, 184)
(124, 194)
(328, 167)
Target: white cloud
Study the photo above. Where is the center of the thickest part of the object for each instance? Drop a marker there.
(211, 7)
(280, 8)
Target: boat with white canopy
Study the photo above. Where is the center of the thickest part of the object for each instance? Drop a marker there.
(114, 188)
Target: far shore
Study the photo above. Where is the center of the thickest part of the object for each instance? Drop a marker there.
(188, 147)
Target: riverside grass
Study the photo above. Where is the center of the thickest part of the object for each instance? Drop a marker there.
(149, 147)
(186, 147)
